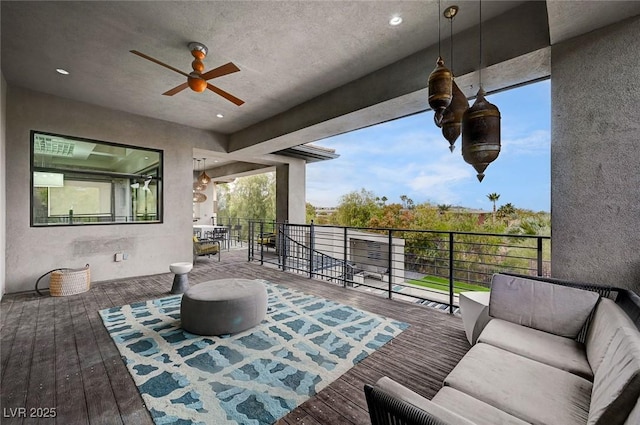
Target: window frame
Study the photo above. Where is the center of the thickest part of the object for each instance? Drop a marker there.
(157, 178)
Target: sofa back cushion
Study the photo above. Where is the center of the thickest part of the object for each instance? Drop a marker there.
(616, 383)
(607, 318)
(548, 307)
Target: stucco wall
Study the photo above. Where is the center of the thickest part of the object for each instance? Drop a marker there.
(291, 192)
(151, 247)
(595, 156)
(3, 186)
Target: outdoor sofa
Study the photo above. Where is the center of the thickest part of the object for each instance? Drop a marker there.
(552, 354)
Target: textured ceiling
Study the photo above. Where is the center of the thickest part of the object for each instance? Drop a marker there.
(289, 52)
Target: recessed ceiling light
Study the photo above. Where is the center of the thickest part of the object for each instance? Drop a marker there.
(62, 71)
(220, 116)
(395, 20)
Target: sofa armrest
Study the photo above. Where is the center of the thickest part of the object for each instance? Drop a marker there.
(391, 403)
(385, 409)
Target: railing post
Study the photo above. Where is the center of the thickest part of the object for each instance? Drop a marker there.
(260, 235)
(250, 239)
(312, 237)
(539, 256)
(390, 262)
(344, 264)
(282, 241)
(451, 254)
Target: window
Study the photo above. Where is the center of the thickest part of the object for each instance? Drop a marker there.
(79, 181)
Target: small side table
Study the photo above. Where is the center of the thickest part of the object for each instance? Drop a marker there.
(180, 280)
(474, 307)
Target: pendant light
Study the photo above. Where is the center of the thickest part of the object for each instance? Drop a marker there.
(197, 186)
(440, 83)
(204, 178)
(452, 116)
(199, 197)
(481, 126)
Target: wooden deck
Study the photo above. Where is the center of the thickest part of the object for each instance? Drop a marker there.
(56, 353)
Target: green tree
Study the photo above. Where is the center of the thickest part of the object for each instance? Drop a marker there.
(356, 208)
(443, 208)
(252, 197)
(506, 211)
(493, 197)
(310, 211)
(392, 216)
(407, 202)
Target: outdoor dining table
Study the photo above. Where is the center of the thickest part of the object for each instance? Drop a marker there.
(218, 232)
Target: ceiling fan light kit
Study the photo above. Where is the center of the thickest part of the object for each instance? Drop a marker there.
(196, 79)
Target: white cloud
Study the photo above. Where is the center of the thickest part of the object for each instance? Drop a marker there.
(438, 180)
(536, 143)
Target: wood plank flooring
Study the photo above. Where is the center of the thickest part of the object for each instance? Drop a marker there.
(56, 353)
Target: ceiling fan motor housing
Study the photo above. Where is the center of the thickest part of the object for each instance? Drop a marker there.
(197, 84)
(199, 52)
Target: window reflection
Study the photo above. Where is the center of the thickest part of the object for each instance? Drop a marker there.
(79, 181)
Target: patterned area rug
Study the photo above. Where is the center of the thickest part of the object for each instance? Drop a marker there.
(253, 377)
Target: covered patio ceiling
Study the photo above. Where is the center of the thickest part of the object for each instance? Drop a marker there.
(309, 69)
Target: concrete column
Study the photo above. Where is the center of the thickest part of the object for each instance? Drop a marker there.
(595, 156)
(214, 199)
(290, 192)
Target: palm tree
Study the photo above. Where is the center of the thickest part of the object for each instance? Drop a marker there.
(493, 197)
(443, 208)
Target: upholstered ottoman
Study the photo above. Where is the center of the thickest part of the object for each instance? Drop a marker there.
(224, 306)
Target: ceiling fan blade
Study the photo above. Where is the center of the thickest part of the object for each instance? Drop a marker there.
(149, 58)
(176, 89)
(228, 68)
(224, 94)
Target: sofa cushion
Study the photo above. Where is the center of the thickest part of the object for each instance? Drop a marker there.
(563, 353)
(527, 389)
(477, 411)
(403, 393)
(548, 307)
(616, 383)
(607, 318)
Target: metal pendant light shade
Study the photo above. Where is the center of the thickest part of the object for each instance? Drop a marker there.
(199, 187)
(481, 134)
(204, 178)
(199, 197)
(452, 117)
(440, 87)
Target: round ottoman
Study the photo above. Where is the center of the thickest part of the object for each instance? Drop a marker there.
(224, 306)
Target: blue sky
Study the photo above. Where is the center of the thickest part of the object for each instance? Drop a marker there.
(410, 157)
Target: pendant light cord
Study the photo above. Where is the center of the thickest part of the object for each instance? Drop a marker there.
(480, 67)
(451, 42)
(439, 37)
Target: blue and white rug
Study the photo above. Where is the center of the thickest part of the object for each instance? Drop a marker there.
(253, 377)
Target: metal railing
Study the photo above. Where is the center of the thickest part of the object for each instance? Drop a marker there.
(417, 265)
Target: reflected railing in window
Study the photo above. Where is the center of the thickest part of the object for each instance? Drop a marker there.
(80, 181)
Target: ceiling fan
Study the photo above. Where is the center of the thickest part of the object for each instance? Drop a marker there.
(196, 80)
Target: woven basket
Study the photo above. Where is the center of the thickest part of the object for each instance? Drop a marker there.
(65, 282)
